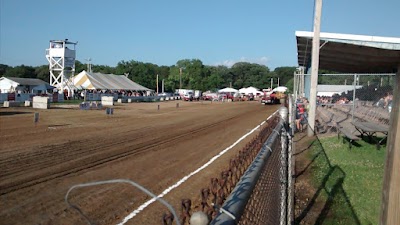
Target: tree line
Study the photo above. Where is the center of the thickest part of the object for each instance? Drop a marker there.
(186, 73)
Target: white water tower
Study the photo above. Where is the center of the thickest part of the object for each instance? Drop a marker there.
(61, 56)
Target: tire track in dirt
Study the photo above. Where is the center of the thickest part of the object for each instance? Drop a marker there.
(93, 160)
(47, 153)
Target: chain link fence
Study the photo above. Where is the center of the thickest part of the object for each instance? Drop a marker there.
(351, 91)
(254, 190)
(262, 207)
(261, 195)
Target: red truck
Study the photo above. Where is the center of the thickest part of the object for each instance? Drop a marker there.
(269, 98)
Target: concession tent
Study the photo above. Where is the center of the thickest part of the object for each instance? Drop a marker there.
(228, 90)
(280, 89)
(251, 90)
(99, 81)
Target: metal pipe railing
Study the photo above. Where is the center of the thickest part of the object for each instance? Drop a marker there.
(233, 207)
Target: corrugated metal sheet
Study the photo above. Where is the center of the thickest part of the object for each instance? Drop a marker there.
(350, 53)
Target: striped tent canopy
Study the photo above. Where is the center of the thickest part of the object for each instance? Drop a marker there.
(99, 81)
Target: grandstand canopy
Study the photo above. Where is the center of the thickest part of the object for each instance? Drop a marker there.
(91, 81)
(350, 53)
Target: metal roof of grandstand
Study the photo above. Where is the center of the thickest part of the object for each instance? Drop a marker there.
(86, 80)
(350, 53)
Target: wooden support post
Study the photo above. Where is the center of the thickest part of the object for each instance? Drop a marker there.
(314, 68)
(390, 207)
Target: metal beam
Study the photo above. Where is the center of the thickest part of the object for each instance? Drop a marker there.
(363, 50)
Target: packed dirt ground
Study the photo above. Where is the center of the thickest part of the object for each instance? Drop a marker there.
(155, 148)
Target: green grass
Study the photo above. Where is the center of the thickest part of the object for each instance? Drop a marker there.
(350, 181)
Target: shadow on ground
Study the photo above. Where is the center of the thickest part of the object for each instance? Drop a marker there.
(11, 113)
(319, 194)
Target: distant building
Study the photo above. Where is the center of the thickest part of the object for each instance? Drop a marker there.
(24, 85)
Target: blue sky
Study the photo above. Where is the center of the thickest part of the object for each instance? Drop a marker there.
(165, 31)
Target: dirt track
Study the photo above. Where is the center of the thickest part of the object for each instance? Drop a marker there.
(38, 164)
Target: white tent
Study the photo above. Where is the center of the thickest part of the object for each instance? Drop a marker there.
(243, 90)
(228, 90)
(250, 90)
(258, 93)
(91, 81)
(280, 89)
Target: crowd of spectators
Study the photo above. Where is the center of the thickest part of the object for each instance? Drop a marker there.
(324, 100)
(342, 100)
(302, 108)
(386, 101)
(80, 94)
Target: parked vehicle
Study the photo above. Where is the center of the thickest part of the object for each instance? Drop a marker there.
(227, 95)
(182, 92)
(188, 97)
(165, 94)
(270, 98)
(210, 96)
(176, 96)
(197, 95)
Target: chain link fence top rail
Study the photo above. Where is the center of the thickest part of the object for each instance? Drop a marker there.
(256, 199)
(213, 197)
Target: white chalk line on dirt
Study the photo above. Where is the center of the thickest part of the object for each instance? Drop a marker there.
(181, 181)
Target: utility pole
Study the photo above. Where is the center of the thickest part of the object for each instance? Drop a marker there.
(391, 193)
(278, 82)
(180, 78)
(157, 83)
(272, 81)
(314, 67)
(89, 65)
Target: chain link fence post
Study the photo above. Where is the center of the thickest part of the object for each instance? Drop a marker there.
(283, 112)
(290, 162)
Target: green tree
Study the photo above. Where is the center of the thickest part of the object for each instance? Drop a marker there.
(172, 82)
(244, 74)
(43, 73)
(215, 77)
(21, 71)
(103, 69)
(193, 73)
(285, 74)
(3, 69)
(79, 67)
